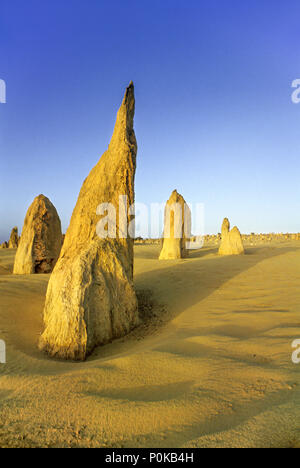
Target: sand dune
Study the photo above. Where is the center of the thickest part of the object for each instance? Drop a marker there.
(210, 367)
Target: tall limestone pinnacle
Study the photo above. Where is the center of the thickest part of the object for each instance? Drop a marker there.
(90, 298)
(231, 242)
(41, 239)
(177, 228)
(14, 239)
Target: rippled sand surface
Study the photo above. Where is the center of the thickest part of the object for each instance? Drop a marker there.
(210, 367)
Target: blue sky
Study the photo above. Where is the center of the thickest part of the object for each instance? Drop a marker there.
(214, 116)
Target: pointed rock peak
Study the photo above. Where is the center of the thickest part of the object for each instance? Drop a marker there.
(43, 201)
(176, 197)
(14, 239)
(225, 226)
(40, 198)
(129, 90)
(90, 298)
(124, 123)
(128, 99)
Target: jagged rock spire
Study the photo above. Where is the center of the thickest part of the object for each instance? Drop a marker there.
(90, 297)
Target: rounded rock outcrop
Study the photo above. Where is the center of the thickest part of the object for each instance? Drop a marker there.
(177, 228)
(40, 241)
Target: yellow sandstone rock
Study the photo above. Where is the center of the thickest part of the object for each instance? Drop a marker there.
(90, 298)
(177, 228)
(231, 242)
(40, 242)
(14, 239)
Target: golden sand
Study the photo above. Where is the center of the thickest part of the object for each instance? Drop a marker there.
(211, 368)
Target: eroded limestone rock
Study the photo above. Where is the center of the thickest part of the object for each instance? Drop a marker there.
(231, 241)
(14, 239)
(177, 228)
(41, 238)
(90, 298)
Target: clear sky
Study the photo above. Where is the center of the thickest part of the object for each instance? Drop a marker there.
(214, 116)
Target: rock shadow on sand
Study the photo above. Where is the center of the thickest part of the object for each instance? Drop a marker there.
(146, 393)
(156, 306)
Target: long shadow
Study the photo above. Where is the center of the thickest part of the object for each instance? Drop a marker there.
(217, 424)
(203, 252)
(192, 280)
(7, 258)
(145, 393)
(152, 252)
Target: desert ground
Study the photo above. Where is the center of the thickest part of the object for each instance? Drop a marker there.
(209, 367)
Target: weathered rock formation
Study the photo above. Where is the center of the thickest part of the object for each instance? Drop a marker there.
(231, 242)
(177, 228)
(40, 241)
(14, 239)
(90, 298)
